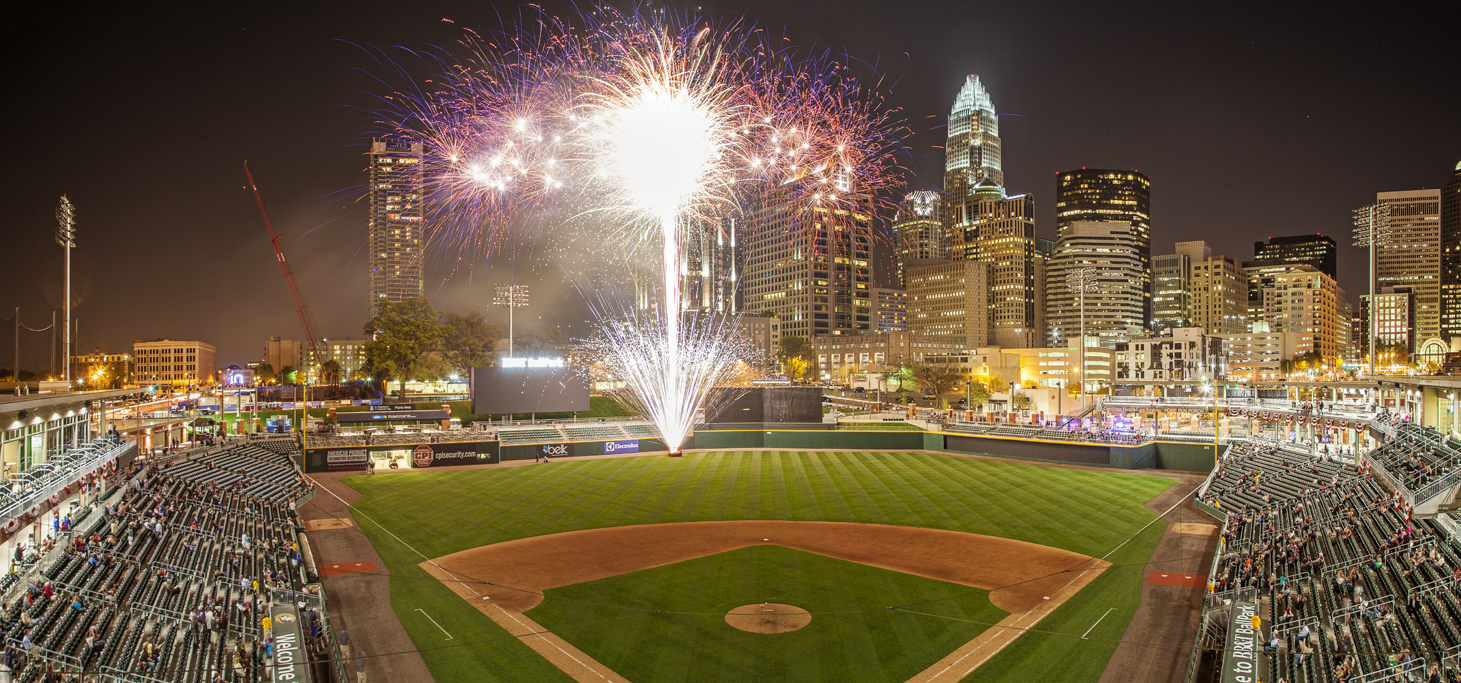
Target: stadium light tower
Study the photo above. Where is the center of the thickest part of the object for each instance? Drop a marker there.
(66, 237)
(511, 296)
(1372, 229)
(1080, 282)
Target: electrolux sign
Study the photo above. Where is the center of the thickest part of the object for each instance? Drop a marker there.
(630, 446)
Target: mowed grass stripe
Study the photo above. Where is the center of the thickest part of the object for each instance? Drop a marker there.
(817, 491)
(732, 502)
(865, 500)
(838, 488)
(869, 473)
(1078, 510)
(780, 489)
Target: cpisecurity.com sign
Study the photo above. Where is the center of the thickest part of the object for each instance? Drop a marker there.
(630, 446)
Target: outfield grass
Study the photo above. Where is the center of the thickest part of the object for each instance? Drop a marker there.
(437, 513)
(852, 636)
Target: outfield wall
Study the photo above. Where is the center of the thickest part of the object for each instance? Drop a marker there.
(1167, 455)
(576, 448)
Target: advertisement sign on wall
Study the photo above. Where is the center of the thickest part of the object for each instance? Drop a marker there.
(417, 455)
(554, 450)
(446, 454)
(346, 459)
(629, 446)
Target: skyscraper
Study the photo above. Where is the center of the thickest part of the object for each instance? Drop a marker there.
(1280, 255)
(1217, 295)
(813, 270)
(396, 221)
(1411, 258)
(973, 149)
(1114, 312)
(919, 230)
(999, 231)
(1312, 305)
(1172, 285)
(708, 272)
(1451, 256)
(1169, 291)
(1101, 195)
(950, 302)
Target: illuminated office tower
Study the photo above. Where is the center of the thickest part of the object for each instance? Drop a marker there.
(999, 231)
(811, 268)
(919, 230)
(1411, 258)
(1280, 255)
(1451, 257)
(973, 149)
(396, 221)
(1104, 195)
(1113, 312)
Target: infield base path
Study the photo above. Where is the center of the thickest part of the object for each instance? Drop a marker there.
(1025, 579)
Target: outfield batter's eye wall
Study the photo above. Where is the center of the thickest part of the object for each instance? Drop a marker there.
(770, 405)
(499, 391)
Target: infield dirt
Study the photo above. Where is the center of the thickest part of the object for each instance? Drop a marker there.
(504, 580)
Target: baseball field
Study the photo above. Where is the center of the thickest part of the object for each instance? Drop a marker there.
(763, 565)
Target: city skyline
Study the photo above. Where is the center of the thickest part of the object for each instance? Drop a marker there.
(169, 245)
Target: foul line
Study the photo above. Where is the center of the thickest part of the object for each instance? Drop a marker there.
(428, 616)
(1098, 621)
(464, 585)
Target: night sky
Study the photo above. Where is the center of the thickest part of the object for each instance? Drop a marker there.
(1252, 120)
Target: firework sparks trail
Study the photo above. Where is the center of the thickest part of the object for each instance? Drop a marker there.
(646, 128)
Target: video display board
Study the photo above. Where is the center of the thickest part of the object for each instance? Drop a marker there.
(497, 391)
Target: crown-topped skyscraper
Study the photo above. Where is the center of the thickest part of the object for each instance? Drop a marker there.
(973, 149)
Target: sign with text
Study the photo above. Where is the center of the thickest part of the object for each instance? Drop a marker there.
(630, 446)
(416, 455)
(554, 450)
(393, 408)
(394, 416)
(447, 454)
(291, 662)
(1240, 665)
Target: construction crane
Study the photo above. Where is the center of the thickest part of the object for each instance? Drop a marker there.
(299, 307)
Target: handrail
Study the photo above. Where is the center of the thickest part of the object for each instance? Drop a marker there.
(60, 476)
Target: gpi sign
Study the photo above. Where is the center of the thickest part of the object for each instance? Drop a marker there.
(422, 456)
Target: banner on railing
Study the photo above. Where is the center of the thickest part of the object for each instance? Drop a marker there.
(1241, 663)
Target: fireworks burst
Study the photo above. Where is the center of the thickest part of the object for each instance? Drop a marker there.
(645, 128)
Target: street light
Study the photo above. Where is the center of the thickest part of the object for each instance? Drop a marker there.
(1080, 282)
(66, 237)
(1372, 229)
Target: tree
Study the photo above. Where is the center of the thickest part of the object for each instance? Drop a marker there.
(403, 335)
(791, 348)
(978, 394)
(796, 368)
(1019, 400)
(264, 374)
(469, 341)
(287, 375)
(330, 371)
(936, 378)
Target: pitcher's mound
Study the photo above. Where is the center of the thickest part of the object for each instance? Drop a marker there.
(768, 617)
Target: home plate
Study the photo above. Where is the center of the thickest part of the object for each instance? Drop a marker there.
(1172, 579)
(347, 568)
